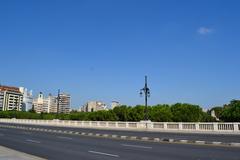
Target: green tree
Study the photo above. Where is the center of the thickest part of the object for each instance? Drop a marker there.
(122, 113)
(136, 114)
(206, 117)
(183, 112)
(231, 112)
(161, 113)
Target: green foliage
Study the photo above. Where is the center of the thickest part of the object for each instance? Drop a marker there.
(122, 113)
(231, 112)
(179, 112)
(161, 113)
(19, 115)
(136, 114)
(183, 112)
(206, 117)
(102, 116)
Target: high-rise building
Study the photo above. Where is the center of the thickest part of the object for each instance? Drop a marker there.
(40, 104)
(27, 99)
(1, 100)
(50, 104)
(64, 103)
(93, 106)
(10, 98)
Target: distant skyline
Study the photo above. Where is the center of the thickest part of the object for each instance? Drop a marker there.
(101, 50)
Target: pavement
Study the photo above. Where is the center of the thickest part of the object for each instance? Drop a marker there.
(60, 146)
(10, 154)
(211, 137)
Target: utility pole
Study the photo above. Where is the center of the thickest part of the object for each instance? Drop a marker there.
(146, 92)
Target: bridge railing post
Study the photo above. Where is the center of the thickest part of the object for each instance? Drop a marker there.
(197, 126)
(236, 127)
(215, 127)
(165, 126)
(98, 124)
(127, 124)
(180, 126)
(107, 124)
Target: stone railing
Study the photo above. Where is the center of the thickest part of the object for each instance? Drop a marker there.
(143, 125)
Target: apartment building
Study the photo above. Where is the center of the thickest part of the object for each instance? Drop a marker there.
(1, 100)
(50, 104)
(27, 99)
(10, 98)
(40, 104)
(93, 106)
(64, 103)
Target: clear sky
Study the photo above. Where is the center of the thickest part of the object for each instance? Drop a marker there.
(101, 50)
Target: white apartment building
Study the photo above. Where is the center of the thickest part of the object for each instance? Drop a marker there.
(50, 104)
(93, 106)
(40, 104)
(27, 99)
(10, 98)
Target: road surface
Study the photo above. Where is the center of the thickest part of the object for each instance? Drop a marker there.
(226, 138)
(56, 146)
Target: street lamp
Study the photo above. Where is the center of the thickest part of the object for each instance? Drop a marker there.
(146, 92)
(58, 99)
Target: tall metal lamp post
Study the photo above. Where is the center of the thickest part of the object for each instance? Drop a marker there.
(146, 92)
(58, 100)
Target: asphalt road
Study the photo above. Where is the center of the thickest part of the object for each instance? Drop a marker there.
(61, 147)
(178, 136)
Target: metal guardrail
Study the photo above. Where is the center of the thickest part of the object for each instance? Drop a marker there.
(143, 125)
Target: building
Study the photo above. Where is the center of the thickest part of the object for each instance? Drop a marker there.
(10, 98)
(64, 103)
(52, 103)
(115, 104)
(40, 104)
(93, 106)
(27, 99)
(1, 100)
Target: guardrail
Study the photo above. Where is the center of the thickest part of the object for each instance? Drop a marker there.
(142, 125)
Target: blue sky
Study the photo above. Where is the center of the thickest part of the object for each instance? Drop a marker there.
(101, 50)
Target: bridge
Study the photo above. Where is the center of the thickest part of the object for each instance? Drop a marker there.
(57, 139)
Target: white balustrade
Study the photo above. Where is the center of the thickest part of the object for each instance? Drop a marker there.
(143, 125)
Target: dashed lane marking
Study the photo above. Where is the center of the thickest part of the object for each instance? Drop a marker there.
(32, 141)
(136, 146)
(61, 137)
(105, 154)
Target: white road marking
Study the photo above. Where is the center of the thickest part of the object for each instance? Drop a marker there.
(105, 154)
(61, 137)
(33, 141)
(136, 146)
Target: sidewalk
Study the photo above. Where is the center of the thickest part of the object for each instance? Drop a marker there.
(9, 154)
